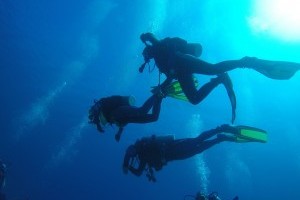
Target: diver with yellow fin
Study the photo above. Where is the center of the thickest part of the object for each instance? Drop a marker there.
(153, 153)
(179, 59)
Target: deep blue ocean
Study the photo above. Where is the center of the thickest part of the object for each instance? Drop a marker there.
(57, 56)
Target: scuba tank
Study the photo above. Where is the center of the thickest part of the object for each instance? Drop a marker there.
(165, 138)
(194, 49)
(117, 101)
(108, 104)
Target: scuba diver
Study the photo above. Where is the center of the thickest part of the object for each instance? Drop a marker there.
(211, 196)
(156, 151)
(3, 170)
(178, 59)
(120, 110)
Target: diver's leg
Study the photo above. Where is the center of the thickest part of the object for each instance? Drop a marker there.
(204, 145)
(208, 134)
(195, 65)
(185, 148)
(188, 87)
(280, 70)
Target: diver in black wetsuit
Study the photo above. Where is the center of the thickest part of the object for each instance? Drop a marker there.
(119, 110)
(178, 59)
(155, 152)
(2, 179)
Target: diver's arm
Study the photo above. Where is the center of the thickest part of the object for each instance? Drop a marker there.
(161, 88)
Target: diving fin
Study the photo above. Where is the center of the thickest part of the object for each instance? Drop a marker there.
(247, 133)
(175, 87)
(280, 70)
(230, 92)
(174, 90)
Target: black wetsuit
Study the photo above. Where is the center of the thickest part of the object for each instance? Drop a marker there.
(131, 114)
(174, 58)
(122, 113)
(155, 152)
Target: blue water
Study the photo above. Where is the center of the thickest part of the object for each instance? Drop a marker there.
(57, 56)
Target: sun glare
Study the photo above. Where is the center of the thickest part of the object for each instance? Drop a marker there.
(280, 18)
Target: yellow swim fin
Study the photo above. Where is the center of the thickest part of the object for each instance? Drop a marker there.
(244, 134)
(247, 133)
(174, 90)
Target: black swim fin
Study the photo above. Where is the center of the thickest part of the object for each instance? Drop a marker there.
(230, 92)
(279, 70)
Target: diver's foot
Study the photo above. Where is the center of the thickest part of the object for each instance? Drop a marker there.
(226, 137)
(226, 128)
(248, 62)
